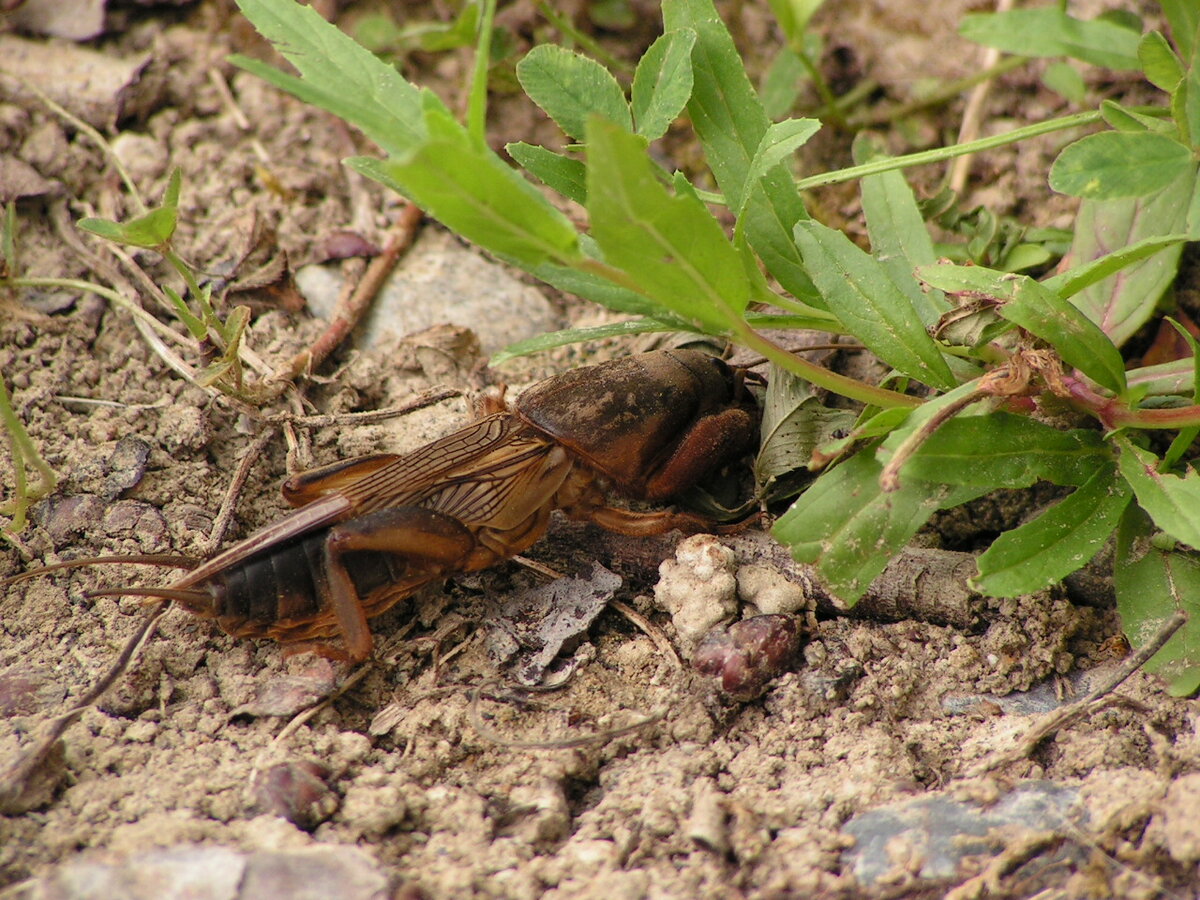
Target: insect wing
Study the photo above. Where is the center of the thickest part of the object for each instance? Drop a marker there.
(502, 486)
(322, 512)
(421, 473)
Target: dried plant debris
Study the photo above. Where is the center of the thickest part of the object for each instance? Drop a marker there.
(535, 628)
(101, 89)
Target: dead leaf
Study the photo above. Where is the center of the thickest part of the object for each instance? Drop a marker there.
(547, 620)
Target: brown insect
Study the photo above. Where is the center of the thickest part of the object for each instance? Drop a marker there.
(371, 531)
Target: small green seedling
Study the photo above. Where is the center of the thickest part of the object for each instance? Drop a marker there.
(153, 230)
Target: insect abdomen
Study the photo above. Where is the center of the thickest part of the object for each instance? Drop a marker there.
(278, 590)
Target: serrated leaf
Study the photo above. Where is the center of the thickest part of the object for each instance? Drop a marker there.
(730, 122)
(1171, 501)
(570, 88)
(1077, 339)
(1000, 450)
(1049, 31)
(862, 294)
(560, 173)
(778, 143)
(338, 75)
(1115, 164)
(662, 83)
(670, 245)
(474, 193)
(850, 529)
(1061, 540)
(1151, 584)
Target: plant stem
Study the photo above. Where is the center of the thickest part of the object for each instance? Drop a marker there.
(477, 107)
(941, 154)
(23, 450)
(594, 47)
(833, 105)
(207, 314)
(114, 297)
(821, 377)
(1113, 414)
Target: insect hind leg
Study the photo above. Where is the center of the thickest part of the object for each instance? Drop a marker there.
(428, 540)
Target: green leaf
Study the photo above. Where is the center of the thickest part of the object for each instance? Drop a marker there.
(662, 83)
(1061, 540)
(337, 74)
(560, 173)
(730, 122)
(793, 16)
(778, 143)
(1066, 80)
(1172, 502)
(850, 529)
(1075, 337)
(1072, 281)
(670, 245)
(782, 83)
(1122, 303)
(1184, 16)
(1188, 97)
(1152, 583)
(955, 279)
(725, 111)
(863, 295)
(553, 339)
(191, 321)
(1049, 31)
(474, 193)
(1119, 118)
(149, 230)
(1116, 164)
(570, 88)
(1000, 450)
(1162, 67)
(899, 238)
(590, 286)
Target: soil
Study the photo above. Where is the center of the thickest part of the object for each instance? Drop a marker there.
(428, 772)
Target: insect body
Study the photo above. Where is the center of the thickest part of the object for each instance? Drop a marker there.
(370, 531)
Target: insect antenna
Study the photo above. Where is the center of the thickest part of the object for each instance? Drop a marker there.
(188, 598)
(148, 559)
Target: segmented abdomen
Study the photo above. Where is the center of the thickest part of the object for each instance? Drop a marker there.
(284, 589)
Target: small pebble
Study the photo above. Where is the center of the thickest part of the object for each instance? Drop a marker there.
(749, 655)
(298, 791)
